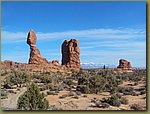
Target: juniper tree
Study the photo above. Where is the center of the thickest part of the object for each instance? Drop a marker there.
(32, 99)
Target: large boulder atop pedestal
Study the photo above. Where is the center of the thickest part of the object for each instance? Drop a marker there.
(35, 56)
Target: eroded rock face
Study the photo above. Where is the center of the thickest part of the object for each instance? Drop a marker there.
(71, 54)
(11, 64)
(35, 56)
(124, 64)
(55, 63)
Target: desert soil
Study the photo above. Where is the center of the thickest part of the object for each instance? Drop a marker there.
(83, 102)
(11, 102)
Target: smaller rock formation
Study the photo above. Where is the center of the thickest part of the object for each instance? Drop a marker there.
(35, 56)
(55, 63)
(124, 65)
(11, 64)
(71, 54)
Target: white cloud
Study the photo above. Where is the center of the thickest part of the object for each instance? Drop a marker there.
(101, 33)
(13, 36)
(16, 56)
(114, 44)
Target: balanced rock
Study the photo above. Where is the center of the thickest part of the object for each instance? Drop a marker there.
(71, 54)
(35, 56)
(124, 64)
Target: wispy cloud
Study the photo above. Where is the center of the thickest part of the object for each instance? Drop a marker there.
(100, 33)
(115, 44)
(17, 56)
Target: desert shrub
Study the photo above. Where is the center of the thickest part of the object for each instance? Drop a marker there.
(134, 93)
(96, 82)
(4, 72)
(17, 78)
(78, 92)
(73, 71)
(124, 100)
(135, 83)
(80, 74)
(134, 76)
(116, 103)
(43, 87)
(71, 94)
(114, 100)
(4, 92)
(68, 82)
(84, 95)
(143, 92)
(18, 89)
(32, 99)
(83, 89)
(100, 104)
(4, 97)
(126, 90)
(104, 105)
(51, 93)
(48, 78)
(136, 107)
(50, 85)
(53, 87)
(75, 97)
(45, 78)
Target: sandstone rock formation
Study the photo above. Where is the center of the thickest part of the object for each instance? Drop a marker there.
(37, 63)
(55, 63)
(11, 64)
(124, 65)
(35, 56)
(71, 54)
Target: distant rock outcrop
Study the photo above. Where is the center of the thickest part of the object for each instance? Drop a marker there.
(11, 64)
(71, 54)
(35, 56)
(124, 65)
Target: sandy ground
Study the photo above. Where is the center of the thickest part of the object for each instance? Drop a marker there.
(82, 103)
(11, 102)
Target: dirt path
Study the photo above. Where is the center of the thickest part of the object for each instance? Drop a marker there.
(11, 102)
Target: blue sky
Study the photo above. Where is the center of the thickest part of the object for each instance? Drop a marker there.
(106, 31)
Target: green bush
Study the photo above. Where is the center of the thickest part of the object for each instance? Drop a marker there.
(135, 76)
(95, 82)
(17, 78)
(48, 78)
(124, 100)
(68, 82)
(4, 72)
(126, 90)
(114, 100)
(4, 92)
(32, 99)
(115, 103)
(136, 107)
